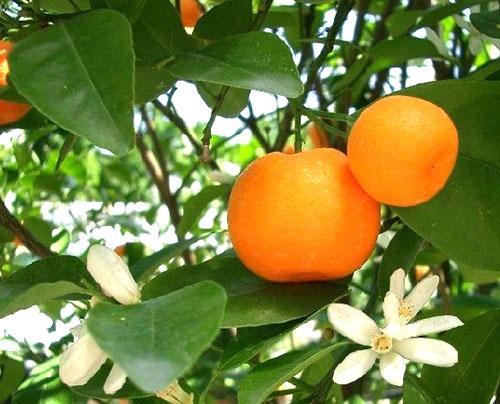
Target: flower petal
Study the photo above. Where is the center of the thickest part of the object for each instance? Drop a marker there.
(392, 368)
(430, 326)
(112, 274)
(115, 380)
(81, 361)
(355, 365)
(397, 283)
(391, 309)
(79, 330)
(352, 323)
(421, 294)
(427, 350)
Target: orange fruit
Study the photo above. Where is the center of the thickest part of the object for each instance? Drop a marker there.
(9, 111)
(318, 136)
(190, 12)
(302, 217)
(402, 150)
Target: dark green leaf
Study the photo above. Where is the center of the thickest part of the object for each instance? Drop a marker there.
(474, 378)
(150, 82)
(158, 33)
(145, 267)
(465, 307)
(252, 301)
(131, 9)
(215, 24)
(478, 276)
(235, 101)
(488, 22)
(461, 220)
(75, 83)
(196, 206)
(400, 253)
(64, 6)
(47, 279)
(11, 376)
(155, 342)
(255, 61)
(268, 376)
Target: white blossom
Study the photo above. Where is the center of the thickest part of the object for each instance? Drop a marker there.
(476, 37)
(82, 360)
(397, 342)
(174, 394)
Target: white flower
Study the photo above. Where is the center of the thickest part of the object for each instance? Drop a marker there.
(81, 361)
(397, 341)
(112, 274)
(220, 177)
(174, 394)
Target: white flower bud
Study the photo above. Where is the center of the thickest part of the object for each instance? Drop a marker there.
(81, 361)
(112, 274)
(115, 380)
(220, 176)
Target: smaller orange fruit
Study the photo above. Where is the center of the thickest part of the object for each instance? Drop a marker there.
(9, 111)
(402, 150)
(190, 13)
(318, 136)
(302, 217)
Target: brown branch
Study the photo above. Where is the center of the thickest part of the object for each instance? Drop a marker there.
(22, 233)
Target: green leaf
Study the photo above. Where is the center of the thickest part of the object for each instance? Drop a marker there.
(64, 6)
(146, 266)
(255, 61)
(75, 83)
(465, 307)
(462, 219)
(400, 22)
(234, 102)
(400, 253)
(130, 9)
(47, 279)
(158, 33)
(478, 276)
(438, 13)
(155, 342)
(11, 376)
(252, 301)
(40, 229)
(488, 22)
(150, 82)
(215, 24)
(474, 378)
(268, 376)
(197, 204)
(488, 71)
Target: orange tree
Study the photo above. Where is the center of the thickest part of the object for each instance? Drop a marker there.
(115, 151)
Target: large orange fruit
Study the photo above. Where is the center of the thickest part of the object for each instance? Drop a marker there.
(190, 13)
(302, 217)
(9, 111)
(402, 150)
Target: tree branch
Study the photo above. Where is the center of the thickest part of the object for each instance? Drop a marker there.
(22, 233)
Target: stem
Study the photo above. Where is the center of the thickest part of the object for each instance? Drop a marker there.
(298, 136)
(207, 132)
(22, 233)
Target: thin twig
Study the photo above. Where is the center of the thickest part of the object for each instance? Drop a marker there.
(22, 233)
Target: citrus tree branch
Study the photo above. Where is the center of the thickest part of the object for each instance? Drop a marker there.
(22, 233)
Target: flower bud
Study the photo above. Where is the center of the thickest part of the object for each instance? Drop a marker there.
(112, 274)
(115, 380)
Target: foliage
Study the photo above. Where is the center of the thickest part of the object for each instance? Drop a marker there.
(115, 151)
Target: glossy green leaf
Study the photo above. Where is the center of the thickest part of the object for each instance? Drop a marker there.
(47, 279)
(75, 83)
(269, 375)
(462, 219)
(40, 229)
(235, 101)
(145, 267)
(474, 378)
(252, 301)
(131, 9)
(255, 61)
(487, 22)
(197, 205)
(400, 253)
(11, 376)
(151, 82)
(158, 33)
(155, 342)
(215, 24)
(400, 22)
(64, 6)
(465, 307)
(478, 276)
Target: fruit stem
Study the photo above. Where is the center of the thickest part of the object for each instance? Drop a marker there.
(298, 136)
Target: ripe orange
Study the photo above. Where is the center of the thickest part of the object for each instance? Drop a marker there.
(9, 111)
(402, 150)
(318, 139)
(302, 217)
(190, 12)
